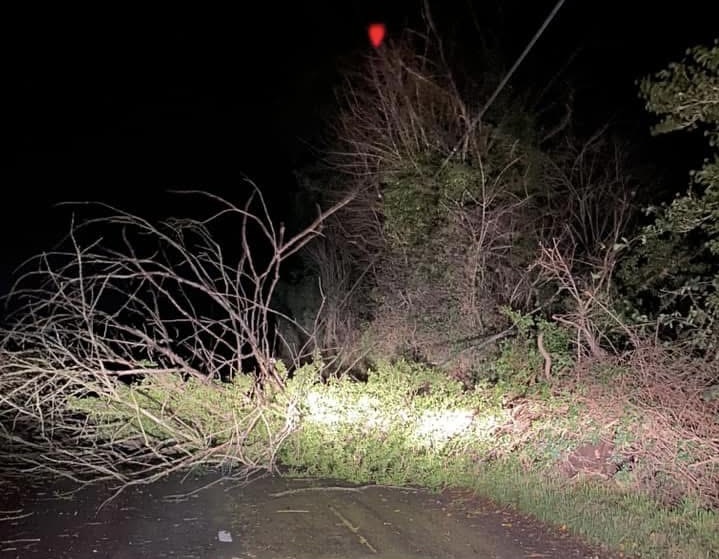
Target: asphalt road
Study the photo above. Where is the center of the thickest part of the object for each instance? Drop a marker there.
(271, 518)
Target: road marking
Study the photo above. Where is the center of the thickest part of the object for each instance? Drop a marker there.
(353, 529)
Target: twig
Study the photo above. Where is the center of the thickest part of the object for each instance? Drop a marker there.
(353, 489)
(546, 355)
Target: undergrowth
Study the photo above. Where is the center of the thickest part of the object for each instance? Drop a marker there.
(613, 450)
(410, 425)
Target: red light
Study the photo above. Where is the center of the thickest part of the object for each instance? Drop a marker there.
(376, 32)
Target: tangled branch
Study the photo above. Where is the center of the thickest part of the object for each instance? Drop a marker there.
(111, 365)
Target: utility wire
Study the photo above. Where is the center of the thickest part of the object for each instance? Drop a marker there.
(501, 85)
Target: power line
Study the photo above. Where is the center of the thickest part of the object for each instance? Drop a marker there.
(503, 83)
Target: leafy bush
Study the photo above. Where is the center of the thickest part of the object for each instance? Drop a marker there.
(672, 276)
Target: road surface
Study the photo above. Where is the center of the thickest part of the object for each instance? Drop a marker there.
(271, 518)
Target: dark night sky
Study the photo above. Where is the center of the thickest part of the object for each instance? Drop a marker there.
(120, 106)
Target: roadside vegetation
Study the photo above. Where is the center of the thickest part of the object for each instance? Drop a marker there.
(479, 303)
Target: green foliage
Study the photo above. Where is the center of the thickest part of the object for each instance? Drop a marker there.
(673, 274)
(417, 198)
(410, 203)
(517, 364)
(196, 416)
(685, 94)
(399, 427)
(519, 361)
(163, 406)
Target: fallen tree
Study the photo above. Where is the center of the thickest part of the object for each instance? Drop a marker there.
(146, 348)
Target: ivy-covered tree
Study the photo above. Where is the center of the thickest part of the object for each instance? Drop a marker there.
(674, 275)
